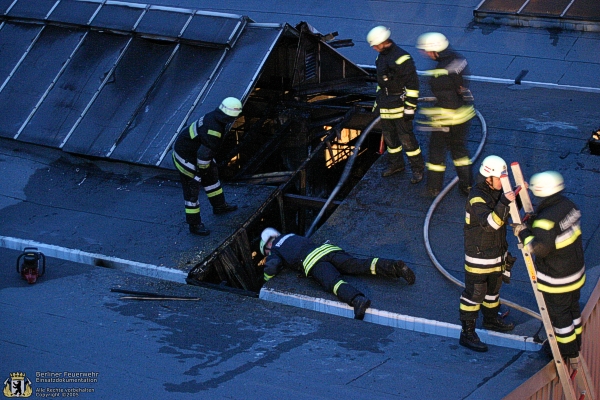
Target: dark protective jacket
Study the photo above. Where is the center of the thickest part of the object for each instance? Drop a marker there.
(396, 76)
(447, 81)
(555, 237)
(295, 252)
(206, 134)
(487, 212)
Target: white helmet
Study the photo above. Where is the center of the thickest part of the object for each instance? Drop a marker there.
(432, 41)
(231, 106)
(546, 183)
(378, 35)
(493, 166)
(265, 236)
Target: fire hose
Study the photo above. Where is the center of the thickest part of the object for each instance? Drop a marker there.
(430, 212)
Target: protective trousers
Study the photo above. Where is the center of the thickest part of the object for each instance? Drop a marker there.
(327, 271)
(565, 315)
(481, 291)
(398, 135)
(208, 178)
(454, 140)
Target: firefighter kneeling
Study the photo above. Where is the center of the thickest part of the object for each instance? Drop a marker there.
(325, 263)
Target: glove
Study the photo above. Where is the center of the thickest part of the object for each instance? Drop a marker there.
(518, 228)
(509, 261)
(505, 200)
(409, 113)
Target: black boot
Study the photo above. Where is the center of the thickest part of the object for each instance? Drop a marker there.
(404, 272)
(224, 208)
(497, 324)
(386, 269)
(360, 304)
(199, 229)
(392, 169)
(469, 338)
(417, 177)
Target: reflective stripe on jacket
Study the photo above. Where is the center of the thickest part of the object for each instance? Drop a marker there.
(485, 229)
(555, 238)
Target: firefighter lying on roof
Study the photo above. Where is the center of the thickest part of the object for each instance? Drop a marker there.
(326, 263)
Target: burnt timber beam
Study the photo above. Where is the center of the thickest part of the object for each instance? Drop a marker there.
(316, 203)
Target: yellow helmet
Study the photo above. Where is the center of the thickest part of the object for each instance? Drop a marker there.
(378, 35)
(231, 106)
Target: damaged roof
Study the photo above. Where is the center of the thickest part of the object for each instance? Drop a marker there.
(118, 80)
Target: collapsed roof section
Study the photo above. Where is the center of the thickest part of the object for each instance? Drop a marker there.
(118, 80)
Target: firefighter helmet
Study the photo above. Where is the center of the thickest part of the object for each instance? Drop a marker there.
(546, 184)
(265, 236)
(231, 106)
(378, 35)
(432, 41)
(493, 166)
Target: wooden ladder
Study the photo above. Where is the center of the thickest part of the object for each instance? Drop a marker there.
(576, 384)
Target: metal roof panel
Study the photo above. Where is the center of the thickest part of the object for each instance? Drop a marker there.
(118, 16)
(163, 22)
(37, 9)
(167, 106)
(74, 12)
(213, 28)
(4, 5)
(241, 68)
(119, 99)
(15, 40)
(74, 89)
(35, 75)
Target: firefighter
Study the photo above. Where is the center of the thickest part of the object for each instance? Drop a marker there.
(449, 119)
(325, 263)
(397, 94)
(193, 155)
(486, 256)
(554, 234)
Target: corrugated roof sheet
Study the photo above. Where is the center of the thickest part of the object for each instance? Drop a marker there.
(119, 80)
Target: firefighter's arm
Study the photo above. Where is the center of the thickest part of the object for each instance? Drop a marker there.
(273, 266)
(540, 236)
(411, 85)
(490, 219)
(213, 139)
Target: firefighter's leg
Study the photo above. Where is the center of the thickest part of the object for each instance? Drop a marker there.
(576, 315)
(460, 156)
(383, 267)
(347, 264)
(436, 167)
(491, 305)
(412, 149)
(559, 309)
(395, 158)
(470, 303)
(209, 173)
(329, 277)
(191, 189)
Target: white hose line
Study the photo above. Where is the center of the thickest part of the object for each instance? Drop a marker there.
(432, 208)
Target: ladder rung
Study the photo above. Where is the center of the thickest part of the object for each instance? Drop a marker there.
(573, 374)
